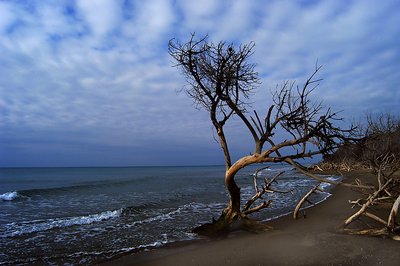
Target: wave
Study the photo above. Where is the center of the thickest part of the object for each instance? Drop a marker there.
(93, 257)
(193, 207)
(56, 190)
(327, 186)
(9, 196)
(17, 229)
(327, 195)
(73, 187)
(161, 217)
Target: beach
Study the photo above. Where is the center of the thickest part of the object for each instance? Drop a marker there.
(313, 240)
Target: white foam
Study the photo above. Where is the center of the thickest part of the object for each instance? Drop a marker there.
(110, 253)
(187, 208)
(44, 225)
(160, 218)
(327, 195)
(325, 185)
(155, 244)
(9, 196)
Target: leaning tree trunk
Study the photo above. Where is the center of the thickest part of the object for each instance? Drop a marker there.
(230, 218)
(233, 218)
(233, 211)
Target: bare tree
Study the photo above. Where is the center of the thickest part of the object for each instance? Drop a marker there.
(378, 136)
(221, 80)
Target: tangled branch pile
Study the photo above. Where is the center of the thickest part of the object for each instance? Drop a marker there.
(379, 151)
(380, 204)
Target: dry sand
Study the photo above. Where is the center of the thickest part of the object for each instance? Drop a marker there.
(310, 241)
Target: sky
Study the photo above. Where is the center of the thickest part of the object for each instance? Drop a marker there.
(90, 82)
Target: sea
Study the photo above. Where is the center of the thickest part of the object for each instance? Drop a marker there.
(74, 216)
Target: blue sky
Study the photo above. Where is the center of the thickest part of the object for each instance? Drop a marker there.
(90, 82)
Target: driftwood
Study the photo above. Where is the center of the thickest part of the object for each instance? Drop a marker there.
(386, 193)
(340, 166)
(393, 214)
(303, 200)
(371, 199)
(371, 232)
(374, 217)
(304, 171)
(267, 188)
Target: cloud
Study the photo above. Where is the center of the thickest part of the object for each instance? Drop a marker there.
(7, 16)
(198, 17)
(344, 38)
(97, 74)
(149, 26)
(101, 16)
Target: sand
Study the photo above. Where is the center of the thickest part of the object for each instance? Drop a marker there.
(313, 240)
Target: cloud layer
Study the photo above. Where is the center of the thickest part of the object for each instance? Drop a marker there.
(91, 82)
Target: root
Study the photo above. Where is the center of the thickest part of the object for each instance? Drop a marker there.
(227, 224)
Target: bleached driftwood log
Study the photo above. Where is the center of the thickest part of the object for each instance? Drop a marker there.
(303, 200)
(393, 214)
(371, 199)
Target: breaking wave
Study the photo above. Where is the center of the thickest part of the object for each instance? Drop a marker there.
(9, 196)
(21, 228)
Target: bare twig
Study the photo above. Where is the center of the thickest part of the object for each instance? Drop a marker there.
(259, 193)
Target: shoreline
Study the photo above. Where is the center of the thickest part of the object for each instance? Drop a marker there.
(308, 241)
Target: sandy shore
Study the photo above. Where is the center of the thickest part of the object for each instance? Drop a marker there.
(310, 241)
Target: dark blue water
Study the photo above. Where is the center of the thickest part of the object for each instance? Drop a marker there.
(86, 215)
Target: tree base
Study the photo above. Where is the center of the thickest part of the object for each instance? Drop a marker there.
(230, 223)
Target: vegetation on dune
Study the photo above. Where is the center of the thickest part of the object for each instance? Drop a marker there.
(378, 137)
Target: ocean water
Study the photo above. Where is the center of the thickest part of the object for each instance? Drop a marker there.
(87, 215)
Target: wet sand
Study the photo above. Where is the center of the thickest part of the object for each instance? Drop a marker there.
(313, 240)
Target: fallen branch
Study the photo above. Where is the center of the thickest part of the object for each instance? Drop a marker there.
(370, 232)
(369, 201)
(393, 214)
(304, 199)
(355, 203)
(374, 217)
(320, 179)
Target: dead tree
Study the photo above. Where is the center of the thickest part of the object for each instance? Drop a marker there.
(378, 135)
(221, 80)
